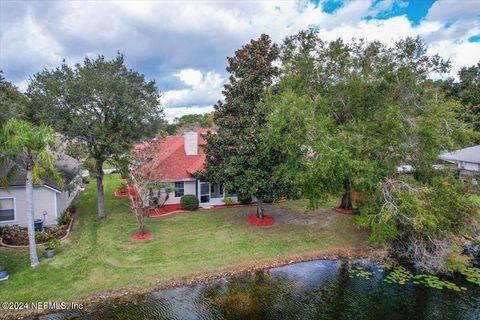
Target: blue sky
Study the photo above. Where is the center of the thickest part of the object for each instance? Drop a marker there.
(184, 45)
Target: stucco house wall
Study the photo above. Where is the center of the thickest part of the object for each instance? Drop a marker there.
(189, 188)
(469, 166)
(64, 199)
(44, 200)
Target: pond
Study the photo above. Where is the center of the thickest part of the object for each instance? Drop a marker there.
(321, 289)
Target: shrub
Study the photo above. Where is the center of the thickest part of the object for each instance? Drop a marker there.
(14, 235)
(228, 200)
(86, 180)
(244, 199)
(423, 221)
(42, 236)
(64, 218)
(56, 232)
(189, 202)
(52, 244)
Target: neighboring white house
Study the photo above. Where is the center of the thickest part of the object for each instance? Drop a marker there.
(49, 200)
(466, 159)
(177, 161)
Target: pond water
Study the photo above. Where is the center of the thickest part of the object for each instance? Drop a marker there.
(321, 289)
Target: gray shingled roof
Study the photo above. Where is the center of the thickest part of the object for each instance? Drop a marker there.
(471, 154)
(66, 165)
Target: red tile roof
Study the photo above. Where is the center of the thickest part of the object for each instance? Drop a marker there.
(169, 159)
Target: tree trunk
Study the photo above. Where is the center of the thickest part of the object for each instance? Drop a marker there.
(142, 227)
(30, 219)
(260, 208)
(347, 197)
(99, 176)
(141, 223)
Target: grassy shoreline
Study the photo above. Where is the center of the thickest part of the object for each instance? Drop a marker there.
(100, 260)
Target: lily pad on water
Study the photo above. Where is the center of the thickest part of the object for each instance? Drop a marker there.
(400, 275)
(360, 272)
(472, 274)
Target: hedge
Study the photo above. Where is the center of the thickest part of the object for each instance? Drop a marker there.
(189, 202)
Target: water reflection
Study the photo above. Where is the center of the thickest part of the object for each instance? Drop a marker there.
(320, 289)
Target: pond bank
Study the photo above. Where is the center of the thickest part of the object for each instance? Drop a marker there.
(317, 290)
(126, 294)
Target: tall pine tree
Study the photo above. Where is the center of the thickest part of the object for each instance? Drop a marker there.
(236, 155)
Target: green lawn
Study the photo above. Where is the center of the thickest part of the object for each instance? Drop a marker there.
(476, 199)
(101, 256)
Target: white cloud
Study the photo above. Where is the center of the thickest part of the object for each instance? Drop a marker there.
(22, 85)
(460, 55)
(448, 10)
(203, 88)
(25, 41)
(385, 6)
(191, 77)
(188, 41)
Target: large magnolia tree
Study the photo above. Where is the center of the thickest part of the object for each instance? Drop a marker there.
(348, 115)
(237, 157)
(101, 104)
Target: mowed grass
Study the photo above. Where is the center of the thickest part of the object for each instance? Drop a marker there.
(101, 256)
(476, 199)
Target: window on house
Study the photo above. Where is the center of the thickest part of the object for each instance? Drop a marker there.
(204, 192)
(179, 189)
(7, 210)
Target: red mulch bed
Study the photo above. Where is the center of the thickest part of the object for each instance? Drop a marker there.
(121, 193)
(344, 211)
(257, 222)
(129, 191)
(166, 209)
(138, 236)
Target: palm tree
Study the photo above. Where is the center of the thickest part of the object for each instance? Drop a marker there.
(28, 145)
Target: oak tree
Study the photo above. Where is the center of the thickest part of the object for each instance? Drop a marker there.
(349, 115)
(101, 103)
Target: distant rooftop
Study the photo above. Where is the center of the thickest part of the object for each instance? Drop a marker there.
(471, 154)
(66, 165)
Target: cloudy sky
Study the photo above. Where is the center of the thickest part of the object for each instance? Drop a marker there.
(183, 45)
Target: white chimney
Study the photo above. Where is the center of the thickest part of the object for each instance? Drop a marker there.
(191, 143)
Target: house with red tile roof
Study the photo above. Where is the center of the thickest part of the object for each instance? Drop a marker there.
(177, 159)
